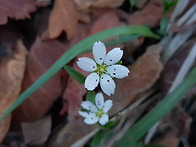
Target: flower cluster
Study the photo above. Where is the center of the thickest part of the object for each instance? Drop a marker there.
(104, 68)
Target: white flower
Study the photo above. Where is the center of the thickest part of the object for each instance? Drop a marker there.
(103, 68)
(98, 112)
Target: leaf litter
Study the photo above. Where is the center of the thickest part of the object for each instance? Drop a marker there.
(64, 24)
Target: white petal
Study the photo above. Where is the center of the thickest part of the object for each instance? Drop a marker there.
(117, 71)
(89, 106)
(87, 64)
(99, 100)
(104, 119)
(113, 56)
(91, 119)
(99, 52)
(92, 81)
(107, 106)
(84, 114)
(107, 84)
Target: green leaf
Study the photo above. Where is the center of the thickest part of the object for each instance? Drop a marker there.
(81, 47)
(111, 123)
(132, 2)
(91, 96)
(119, 40)
(97, 138)
(75, 74)
(158, 112)
(168, 4)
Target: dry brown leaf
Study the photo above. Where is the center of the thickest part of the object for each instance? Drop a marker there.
(41, 57)
(17, 9)
(64, 17)
(74, 98)
(151, 14)
(11, 75)
(170, 140)
(74, 93)
(36, 133)
(143, 75)
(71, 133)
(102, 22)
(85, 4)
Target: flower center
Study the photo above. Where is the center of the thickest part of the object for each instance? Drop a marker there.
(99, 113)
(101, 69)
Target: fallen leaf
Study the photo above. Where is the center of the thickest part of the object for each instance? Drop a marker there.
(64, 17)
(102, 22)
(41, 57)
(151, 14)
(85, 4)
(17, 9)
(74, 95)
(141, 78)
(72, 132)
(169, 140)
(36, 133)
(11, 75)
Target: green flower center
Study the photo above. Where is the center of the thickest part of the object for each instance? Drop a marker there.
(101, 69)
(99, 113)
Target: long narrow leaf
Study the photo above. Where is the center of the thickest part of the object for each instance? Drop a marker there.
(158, 112)
(81, 47)
(75, 74)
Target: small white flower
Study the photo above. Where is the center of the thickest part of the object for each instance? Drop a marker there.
(98, 112)
(103, 68)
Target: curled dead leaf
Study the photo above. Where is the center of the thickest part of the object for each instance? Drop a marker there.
(36, 133)
(71, 133)
(65, 17)
(11, 75)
